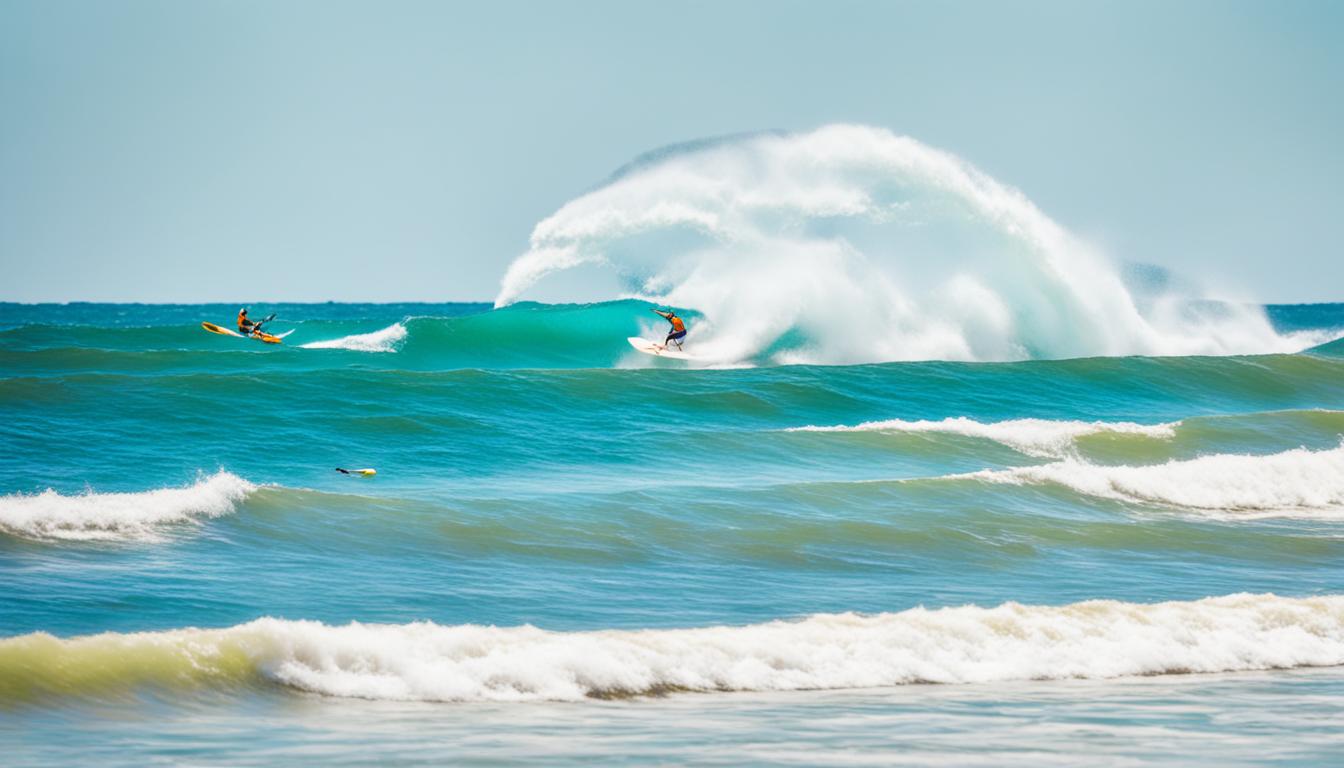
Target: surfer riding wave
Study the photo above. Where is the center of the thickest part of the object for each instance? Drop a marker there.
(678, 331)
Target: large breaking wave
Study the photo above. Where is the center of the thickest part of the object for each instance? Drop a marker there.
(851, 244)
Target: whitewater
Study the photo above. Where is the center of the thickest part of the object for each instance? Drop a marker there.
(1033, 437)
(120, 516)
(851, 244)
(427, 662)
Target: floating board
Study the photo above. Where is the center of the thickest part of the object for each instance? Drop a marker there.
(266, 337)
(657, 350)
(361, 472)
(211, 327)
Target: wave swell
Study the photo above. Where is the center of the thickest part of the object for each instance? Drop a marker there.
(429, 662)
(142, 516)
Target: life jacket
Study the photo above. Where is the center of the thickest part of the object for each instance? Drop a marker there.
(244, 325)
(677, 325)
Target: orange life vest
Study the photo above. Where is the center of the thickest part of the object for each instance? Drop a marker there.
(677, 325)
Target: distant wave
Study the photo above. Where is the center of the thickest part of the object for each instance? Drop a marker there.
(1299, 482)
(429, 662)
(850, 244)
(386, 340)
(142, 516)
(1033, 437)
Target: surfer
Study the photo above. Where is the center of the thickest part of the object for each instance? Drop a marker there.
(245, 326)
(678, 331)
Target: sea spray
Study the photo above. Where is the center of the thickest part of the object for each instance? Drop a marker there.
(850, 244)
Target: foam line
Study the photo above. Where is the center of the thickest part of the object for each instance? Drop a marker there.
(429, 662)
(1033, 437)
(1298, 482)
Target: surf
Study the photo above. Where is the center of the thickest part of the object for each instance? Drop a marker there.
(388, 339)
(423, 661)
(1033, 437)
(1295, 483)
(132, 516)
(523, 335)
(851, 244)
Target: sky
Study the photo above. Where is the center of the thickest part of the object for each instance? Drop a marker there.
(240, 150)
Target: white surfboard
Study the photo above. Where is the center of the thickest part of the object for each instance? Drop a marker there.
(657, 350)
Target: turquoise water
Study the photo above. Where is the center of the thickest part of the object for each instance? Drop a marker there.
(909, 561)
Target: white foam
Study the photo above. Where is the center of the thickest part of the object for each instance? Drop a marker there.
(120, 516)
(1034, 437)
(429, 662)
(863, 246)
(386, 340)
(1299, 482)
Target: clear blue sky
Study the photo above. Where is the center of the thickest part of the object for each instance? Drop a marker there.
(244, 150)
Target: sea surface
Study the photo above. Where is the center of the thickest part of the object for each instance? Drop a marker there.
(574, 553)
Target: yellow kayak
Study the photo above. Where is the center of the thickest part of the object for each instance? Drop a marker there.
(266, 337)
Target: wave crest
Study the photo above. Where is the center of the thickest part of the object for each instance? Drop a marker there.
(119, 516)
(1299, 482)
(1045, 438)
(429, 662)
(385, 340)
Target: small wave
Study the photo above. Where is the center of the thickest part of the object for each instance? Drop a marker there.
(119, 516)
(385, 340)
(1034, 437)
(1299, 482)
(429, 662)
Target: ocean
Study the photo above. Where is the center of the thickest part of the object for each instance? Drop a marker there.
(939, 483)
(574, 553)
